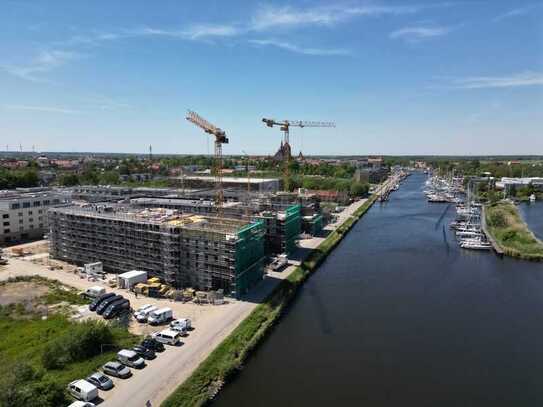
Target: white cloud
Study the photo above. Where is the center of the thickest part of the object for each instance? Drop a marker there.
(418, 33)
(514, 13)
(514, 80)
(301, 50)
(45, 61)
(47, 109)
(269, 17)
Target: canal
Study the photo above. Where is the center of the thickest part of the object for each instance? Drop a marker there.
(399, 315)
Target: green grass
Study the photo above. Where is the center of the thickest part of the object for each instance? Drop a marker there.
(228, 358)
(511, 232)
(23, 338)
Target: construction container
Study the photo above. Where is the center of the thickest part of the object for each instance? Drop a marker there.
(131, 278)
(94, 268)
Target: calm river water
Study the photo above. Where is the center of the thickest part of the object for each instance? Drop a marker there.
(400, 316)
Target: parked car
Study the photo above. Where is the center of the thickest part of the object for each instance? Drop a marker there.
(160, 316)
(116, 308)
(182, 326)
(144, 352)
(153, 344)
(95, 292)
(116, 369)
(100, 380)
(130, 358)
(83, 390)
(104, 304)
(168, 337)
(79, 403)
(143, 312)
(97, 301)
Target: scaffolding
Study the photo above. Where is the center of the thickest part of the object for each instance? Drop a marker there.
(207, 253)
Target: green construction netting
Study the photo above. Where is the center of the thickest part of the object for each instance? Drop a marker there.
(249, 256)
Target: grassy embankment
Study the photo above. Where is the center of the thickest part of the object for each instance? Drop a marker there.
(227, 359)
(511, 232)
(40, 353)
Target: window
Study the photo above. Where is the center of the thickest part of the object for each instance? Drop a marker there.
(15, 206)
(6, 230)
(6, 223)
(40, 211)
(37, 203)
(46, 202)
(31, 220)
(56, 201)
(5, 216)
(20, 214)
(30, 212)
(21, 221)
(41, 225)
(26, 204)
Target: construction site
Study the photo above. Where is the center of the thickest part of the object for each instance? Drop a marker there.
(183, 250)
(208, 238)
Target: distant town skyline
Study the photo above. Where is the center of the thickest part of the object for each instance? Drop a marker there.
(397, 77)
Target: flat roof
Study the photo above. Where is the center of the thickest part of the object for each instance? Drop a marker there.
(133, 273)
(227, 180)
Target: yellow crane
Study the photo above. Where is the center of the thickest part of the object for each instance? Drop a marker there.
(220, 139)
(284, 126)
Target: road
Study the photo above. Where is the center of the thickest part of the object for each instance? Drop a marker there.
(212, 324)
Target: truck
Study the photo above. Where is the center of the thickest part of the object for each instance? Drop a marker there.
(160, 316)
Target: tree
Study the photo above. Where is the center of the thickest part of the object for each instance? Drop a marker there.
(68, 179)
(359, 189)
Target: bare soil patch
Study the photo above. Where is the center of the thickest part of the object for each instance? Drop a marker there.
(21, 292)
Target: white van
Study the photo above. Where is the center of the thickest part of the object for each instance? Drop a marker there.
(143, 312)
(83, 390)
(160, 316)
(168, 336)
(182, 325)
(95, 291)
(130, 358)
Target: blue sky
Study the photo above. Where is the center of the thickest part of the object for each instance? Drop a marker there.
(398, 77)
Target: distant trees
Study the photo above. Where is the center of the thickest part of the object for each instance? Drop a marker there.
(10, 179)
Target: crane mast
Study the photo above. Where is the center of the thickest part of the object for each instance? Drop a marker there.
(284, 126)
(220, 139)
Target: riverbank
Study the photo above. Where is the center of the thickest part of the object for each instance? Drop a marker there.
(511, 233)
(227, 359)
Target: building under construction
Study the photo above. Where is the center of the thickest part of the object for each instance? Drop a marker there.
(280, 215)
(185, 250)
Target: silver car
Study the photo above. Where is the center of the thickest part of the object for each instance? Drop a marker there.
(100, 380)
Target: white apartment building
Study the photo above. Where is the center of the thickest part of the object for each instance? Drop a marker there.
(23, 213)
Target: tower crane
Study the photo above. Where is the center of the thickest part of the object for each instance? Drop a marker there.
(220, 139)
(284, 126)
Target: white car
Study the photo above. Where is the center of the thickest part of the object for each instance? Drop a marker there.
(82, 404)
(182, 325)
(168, 336)
(83, 390)
(143, 313)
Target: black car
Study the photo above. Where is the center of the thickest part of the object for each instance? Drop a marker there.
(93, 305)
(152, 344)
(104, 304)
(144, 352)
(116, 307)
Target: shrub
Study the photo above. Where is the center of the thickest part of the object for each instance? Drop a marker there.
(81, 343)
